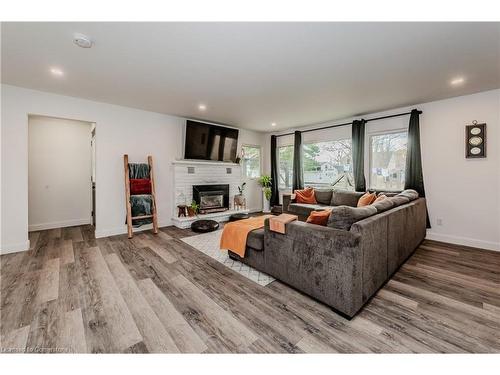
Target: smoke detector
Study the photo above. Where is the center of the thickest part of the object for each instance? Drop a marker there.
(82, 41)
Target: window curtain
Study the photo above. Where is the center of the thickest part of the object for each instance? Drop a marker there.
(274, 173)
(414, 178)
(298, 171)
(358, 154)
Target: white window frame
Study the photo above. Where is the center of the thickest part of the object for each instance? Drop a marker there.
(260, 161)
(368, 150)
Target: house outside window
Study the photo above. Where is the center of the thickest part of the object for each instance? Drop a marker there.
(388, 160)
(328, 164)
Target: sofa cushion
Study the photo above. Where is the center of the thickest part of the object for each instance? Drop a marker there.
(383, 205)
(398, 200)
(305, 196)
(255, 239)
(319, 217)
(304, 209)
(366, 199)
(342, 217)
(323, 196)
(345, 198)
(409, 193)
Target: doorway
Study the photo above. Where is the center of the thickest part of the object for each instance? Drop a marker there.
(61, 173)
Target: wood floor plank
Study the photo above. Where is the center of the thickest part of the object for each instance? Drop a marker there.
(67, 254)
(73, 233)
(143, 240)
(71, 337)
(183, 335)
(222, 321)
(48, 286)
(154, 334)
(309, 344)
(15, 341)
(109, 326)
(396, 298)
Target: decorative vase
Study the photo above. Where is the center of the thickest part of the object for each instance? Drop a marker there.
(266, 207)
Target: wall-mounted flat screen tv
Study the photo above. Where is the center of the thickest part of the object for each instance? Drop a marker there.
(210, 142)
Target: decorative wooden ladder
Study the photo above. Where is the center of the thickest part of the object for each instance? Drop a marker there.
(127, 198)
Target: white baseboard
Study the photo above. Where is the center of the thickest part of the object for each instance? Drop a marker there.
(15, 248)
(58, 224)
(465, 241)
(123, 229)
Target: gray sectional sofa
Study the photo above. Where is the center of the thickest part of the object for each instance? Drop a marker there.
(346, 262)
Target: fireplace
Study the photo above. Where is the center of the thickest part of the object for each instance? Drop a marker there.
(211, 198)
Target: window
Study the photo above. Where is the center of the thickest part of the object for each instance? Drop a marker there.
(328, 163)
(285, 167)
(387, 161)
(250, 160)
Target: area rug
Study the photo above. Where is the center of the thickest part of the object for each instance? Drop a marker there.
(208, 243)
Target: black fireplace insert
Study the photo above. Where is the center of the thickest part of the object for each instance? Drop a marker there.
(211, 198)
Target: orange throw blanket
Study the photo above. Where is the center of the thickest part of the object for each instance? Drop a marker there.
(234, 235)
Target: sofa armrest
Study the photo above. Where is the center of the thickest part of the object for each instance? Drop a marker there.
(322, 262)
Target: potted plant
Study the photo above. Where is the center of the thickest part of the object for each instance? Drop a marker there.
(265, 182)
(193, 208)
(239, 200)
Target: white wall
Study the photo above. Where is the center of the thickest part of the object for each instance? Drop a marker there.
(463, 193)
(59, 172)
(119, 130)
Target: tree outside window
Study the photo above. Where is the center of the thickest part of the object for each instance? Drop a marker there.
(250, 161)
(328, 164)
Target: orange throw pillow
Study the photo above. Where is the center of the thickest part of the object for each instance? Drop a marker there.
(367, 199)
(305, 196)
(381, 197)
(319, 217)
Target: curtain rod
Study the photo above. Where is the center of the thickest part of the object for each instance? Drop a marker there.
(348, 123)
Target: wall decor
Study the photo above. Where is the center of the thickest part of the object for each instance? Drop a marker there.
(475, 140)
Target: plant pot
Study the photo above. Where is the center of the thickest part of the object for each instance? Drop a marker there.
(239, 202)
(266, 206)
(191, 212)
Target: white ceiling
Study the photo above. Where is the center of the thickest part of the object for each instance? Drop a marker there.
(252, 74)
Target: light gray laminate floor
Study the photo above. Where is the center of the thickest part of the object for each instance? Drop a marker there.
(74, 293)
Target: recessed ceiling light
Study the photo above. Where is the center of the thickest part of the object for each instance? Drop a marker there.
(82, 41)
(202, 107)
(56, 72)
(273, 124)
(457, 81)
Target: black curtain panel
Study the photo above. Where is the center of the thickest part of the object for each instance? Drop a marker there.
(358, 154)
(274, 173)
(414, 178)
(298, 172)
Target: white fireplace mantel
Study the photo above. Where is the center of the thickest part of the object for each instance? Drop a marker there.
(204, 162)
(195, 172)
